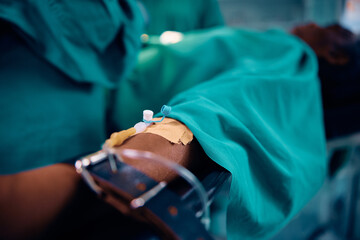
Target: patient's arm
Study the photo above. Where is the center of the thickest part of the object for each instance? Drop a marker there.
(32, 201)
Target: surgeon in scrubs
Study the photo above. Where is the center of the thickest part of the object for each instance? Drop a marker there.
(252, 101)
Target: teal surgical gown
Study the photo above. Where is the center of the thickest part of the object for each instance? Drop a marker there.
(251, 99)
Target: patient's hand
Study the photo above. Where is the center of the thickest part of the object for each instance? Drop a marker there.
(189, 156)
(170, 139)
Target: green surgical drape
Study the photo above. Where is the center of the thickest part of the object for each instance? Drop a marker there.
(255, 108)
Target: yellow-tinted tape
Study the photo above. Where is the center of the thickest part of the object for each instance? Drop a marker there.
(171, 129)
(117, 138)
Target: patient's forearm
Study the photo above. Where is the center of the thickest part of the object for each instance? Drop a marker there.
(30, 200)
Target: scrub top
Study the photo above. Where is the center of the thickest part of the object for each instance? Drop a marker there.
(54, 70)
(251, 99)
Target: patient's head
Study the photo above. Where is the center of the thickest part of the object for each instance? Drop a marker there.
(332, 43)
(338, 52)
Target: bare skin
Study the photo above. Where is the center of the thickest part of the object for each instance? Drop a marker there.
(30, 201)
